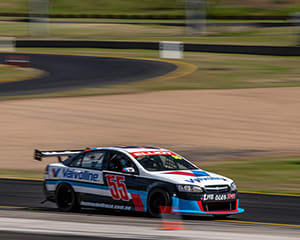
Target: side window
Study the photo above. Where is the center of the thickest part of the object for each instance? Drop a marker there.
(118, 161)
(93, 160)
(169, 162)
(76, 162)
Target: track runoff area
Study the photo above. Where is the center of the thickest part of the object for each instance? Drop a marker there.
(267, 216)
(23, 216)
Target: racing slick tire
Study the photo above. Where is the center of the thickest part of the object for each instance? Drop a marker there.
(66, 199)
(157, 199)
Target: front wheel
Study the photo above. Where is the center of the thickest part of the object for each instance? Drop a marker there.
(66, 199)
(158, 198)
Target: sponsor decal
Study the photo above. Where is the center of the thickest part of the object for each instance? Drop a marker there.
(151, 153)
(218, 197)
(80, 175)
(55, 172)
(128, 170)
(190, 173)
(231, 196)
(193, 180)
(106, 205)
(117, 187)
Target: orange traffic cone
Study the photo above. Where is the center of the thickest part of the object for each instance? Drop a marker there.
(170, 220)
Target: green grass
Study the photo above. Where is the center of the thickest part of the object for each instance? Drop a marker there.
(12, 74)
(101, 6)
(254, 9)
(154, 7)
(276, 174)
(281, 36)
(21, 173)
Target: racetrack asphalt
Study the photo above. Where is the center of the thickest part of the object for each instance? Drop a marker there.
(259, 208)
(30, 236)
(67, 72)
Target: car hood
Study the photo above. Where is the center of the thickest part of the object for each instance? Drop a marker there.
(192, 177)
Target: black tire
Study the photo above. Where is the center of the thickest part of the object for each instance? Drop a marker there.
(66, 199)
(157, 198)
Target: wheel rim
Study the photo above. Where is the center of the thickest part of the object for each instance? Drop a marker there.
(158, 200)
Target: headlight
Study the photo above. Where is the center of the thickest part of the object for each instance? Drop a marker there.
(189, 188)
(233, 187)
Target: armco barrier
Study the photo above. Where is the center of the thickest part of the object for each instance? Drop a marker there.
(243, 49)
(214, 48)
(88, 44)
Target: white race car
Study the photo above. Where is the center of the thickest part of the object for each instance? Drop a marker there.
(132, 178)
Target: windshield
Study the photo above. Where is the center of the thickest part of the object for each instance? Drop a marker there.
(164, 163)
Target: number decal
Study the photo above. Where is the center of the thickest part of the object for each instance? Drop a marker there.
(111, 182)
(122, 188)
(117, 187)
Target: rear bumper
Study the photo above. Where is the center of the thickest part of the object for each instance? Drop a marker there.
(197, 207)
(49, 195)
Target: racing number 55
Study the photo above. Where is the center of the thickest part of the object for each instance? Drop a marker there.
(117, 187)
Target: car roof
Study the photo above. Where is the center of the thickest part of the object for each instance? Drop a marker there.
(131, 149)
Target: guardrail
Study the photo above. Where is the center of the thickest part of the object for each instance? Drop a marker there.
(188, 47)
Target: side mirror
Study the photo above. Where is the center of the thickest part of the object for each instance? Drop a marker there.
(128, 170)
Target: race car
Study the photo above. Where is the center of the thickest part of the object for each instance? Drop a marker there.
(133, 178)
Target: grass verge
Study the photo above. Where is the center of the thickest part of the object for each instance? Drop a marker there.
(276, 174)
(21, 173)
(240, 35)
(158, 7)
(14, 74)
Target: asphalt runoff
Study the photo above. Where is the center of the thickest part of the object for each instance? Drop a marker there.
(258, 207)
(68, 72)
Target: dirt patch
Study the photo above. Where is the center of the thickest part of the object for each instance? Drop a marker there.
(206, 125)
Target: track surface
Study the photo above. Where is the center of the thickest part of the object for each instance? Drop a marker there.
(68, 72)
(259, 208)
(28, 236)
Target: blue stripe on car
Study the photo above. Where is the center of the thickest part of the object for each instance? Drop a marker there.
(200, 173)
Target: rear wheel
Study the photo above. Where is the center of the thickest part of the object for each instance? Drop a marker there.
(158, 198)
(66, 199)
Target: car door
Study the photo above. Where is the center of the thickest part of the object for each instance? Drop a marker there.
(86, 173)
(119, 176)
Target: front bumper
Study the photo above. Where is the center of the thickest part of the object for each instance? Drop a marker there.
(200, 207)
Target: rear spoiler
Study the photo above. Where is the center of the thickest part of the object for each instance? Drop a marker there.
(39, 155)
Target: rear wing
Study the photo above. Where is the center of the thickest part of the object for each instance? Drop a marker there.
(39, 155)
